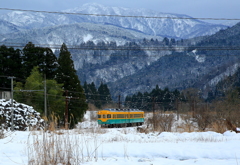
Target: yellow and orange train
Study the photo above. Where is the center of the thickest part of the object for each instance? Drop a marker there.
(120, 117)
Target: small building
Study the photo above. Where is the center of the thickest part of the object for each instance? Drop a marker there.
(5, 95)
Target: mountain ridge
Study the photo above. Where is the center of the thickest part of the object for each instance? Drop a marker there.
(160, 25)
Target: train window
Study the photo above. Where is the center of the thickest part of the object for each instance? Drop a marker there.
(137, 115)
(104, 116)
(99, 116)
(120, 115)
(108, 116)
(131, 116)
(114, 116)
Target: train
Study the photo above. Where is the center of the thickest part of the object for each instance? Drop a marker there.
(111, 118)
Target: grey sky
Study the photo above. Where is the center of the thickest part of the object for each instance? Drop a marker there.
(194, 8)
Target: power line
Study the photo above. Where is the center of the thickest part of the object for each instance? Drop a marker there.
(158, 55)
(128, 16)
(130, 48)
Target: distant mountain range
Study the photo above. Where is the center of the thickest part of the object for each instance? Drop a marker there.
(136, 52)
(163, 24)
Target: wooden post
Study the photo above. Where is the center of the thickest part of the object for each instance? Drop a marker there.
(66, 110)
(177, 109)
(119, 105)
(153, 110)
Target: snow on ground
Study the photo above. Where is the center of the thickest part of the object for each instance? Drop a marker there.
(125, 146)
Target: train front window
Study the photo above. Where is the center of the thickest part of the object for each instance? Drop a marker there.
(104, 116)
(99, 116)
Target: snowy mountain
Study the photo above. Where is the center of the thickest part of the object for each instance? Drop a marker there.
(163, 24)
(7, 27)
(75, 34)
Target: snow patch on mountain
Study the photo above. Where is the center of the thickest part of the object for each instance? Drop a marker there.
(228, 72)
(198, 57)
(87, 37)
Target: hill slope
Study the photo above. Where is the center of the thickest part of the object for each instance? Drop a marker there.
(164, 24)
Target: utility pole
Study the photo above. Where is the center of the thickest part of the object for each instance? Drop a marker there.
(45, 96)
(177, 107)
(153, 110)
(66, 110)
(12, 128)
(119, 105)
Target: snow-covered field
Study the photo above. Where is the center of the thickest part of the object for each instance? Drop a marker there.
(91, 145)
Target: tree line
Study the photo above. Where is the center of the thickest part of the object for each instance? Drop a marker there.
(31, 66)
(164, 99)
(99, 97)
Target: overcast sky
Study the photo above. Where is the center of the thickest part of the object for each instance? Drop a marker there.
(194, 8)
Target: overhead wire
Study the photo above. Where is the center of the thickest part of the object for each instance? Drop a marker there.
(122, 47)
(128, 16)
(140, 48)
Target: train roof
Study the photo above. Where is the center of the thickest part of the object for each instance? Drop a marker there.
(123, 110)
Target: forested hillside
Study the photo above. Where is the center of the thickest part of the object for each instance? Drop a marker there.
(201, 65)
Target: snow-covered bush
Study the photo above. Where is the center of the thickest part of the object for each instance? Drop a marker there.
(24, 116)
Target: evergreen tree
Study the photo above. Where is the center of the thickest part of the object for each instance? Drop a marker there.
(10, 65)
(165, 41)
(66, 75)
(139, 100)
(128, 101)
(86, 91)
(38, 56)
(49, 64)
(104, 94)
(92, 95)
(172, 41)
(162, 99)
(30, 59)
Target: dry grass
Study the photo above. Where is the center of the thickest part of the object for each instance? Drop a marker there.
(2, 135)
(188, 124)
(219, 126)
(63, 148)
(160, 122)
(51, 149)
